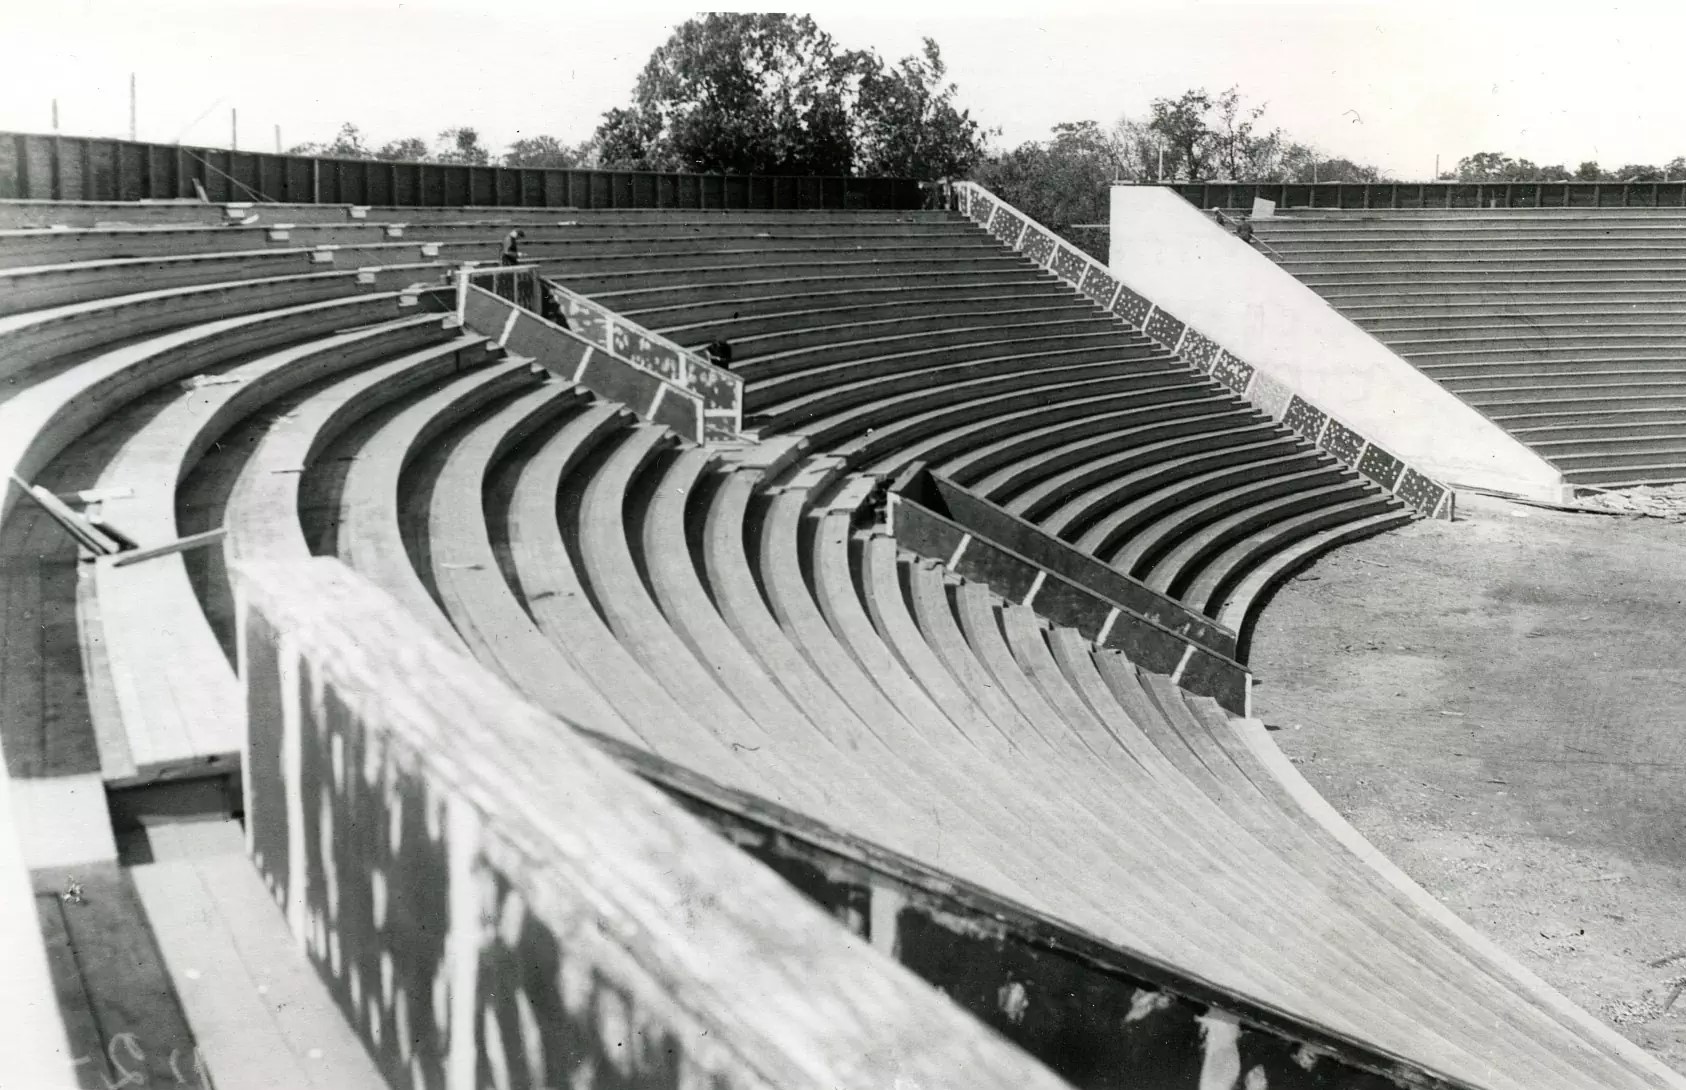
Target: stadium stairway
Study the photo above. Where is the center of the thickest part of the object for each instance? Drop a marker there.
(727, 611)
(917, 336)
(1563, 326)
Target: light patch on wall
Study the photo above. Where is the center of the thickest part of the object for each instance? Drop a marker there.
(1220, 1067)
(1013, 1000)
(1145, 1003)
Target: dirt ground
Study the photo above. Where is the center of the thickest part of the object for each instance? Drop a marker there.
(1497, 703)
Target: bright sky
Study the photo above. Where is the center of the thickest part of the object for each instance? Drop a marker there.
(1390, 83)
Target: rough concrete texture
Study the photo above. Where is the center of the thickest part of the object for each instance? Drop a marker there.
(1495, 702)
(1657, 501)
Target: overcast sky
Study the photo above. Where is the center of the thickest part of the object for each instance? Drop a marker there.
(1390, 83)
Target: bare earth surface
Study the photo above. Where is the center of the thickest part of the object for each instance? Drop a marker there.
(1499, 704)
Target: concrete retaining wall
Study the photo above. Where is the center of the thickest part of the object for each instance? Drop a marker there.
(1175, 255)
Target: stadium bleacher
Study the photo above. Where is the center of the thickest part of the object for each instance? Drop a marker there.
(733, 609)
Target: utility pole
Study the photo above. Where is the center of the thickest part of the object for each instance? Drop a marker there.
(132, 107)
(55, 115)
(1161, 164)
(1436, 177)
(278, 140)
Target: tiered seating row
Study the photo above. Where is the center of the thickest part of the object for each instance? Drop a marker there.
(739, 628)
(962, 355)
(1562, 326)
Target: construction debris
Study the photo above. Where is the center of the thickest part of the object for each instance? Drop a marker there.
(196, 381)
(1653, 501)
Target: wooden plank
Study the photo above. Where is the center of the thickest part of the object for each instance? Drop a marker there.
(20, 668)
(39, 1051)
(68, 740)
(129, 997)
(262, 1019)
(169, 548)
(63, 821)
(75, 1008)
(116, 761)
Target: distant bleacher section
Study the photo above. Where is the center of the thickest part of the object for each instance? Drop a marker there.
(1564, 326)
(1377, 196)
(332, 466)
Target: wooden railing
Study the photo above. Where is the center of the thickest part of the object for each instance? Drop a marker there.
(37, 166)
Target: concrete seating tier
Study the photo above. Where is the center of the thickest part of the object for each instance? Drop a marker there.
(940, 342)
(119, 398)
(725, 618)
(1565, 327)
(475, 239)
(736, 624)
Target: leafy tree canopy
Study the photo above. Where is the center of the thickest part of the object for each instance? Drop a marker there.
(461, 145)
(1063, 183)
(909, 126)
(750, 93)
(775, 94)
(547, 151)
(1493, 166)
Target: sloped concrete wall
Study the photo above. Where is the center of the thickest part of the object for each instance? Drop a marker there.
(1174, 254)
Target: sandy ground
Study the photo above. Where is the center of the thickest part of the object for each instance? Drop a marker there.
(1499, 704)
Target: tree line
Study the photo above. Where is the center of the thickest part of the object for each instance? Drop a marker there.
(1496, 166)
(777, 94)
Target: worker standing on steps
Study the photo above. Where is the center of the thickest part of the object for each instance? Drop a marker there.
(511, 252)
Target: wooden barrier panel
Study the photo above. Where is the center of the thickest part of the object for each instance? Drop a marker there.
(994, 523)
(921, 522)
(493, 901)
(721, 391)
(53, 167)
(571, 357)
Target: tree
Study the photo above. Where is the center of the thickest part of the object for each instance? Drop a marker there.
(908, 124)
(1242, 151)
(547, 151)
(461, 145)
(1485, 166)
(347, 144)
(1137, 147)
(746, 93)
(1181, 122)
(1206, 137)
(627, 139)
(1061, 184)
(411, 149)
(1636, 172)
(1588, 172)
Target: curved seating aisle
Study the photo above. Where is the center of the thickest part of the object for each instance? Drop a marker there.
(923, 339)
(739, 627)
(1564, 326)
